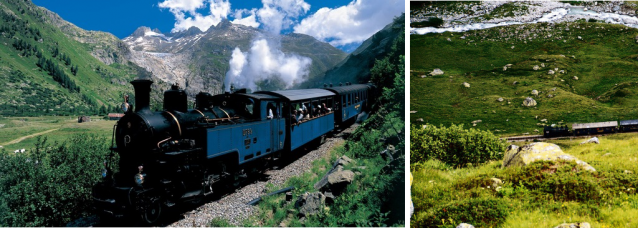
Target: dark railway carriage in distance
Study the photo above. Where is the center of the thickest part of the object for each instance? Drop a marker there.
(555, 131)
(628, 125)
(351, 100)
(595, 128)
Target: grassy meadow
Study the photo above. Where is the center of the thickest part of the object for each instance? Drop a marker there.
(22, 132)
(543, 194)
(598, 80)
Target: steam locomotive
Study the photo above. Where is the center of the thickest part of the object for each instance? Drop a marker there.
(180, 154)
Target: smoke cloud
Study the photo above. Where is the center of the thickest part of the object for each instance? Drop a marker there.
(263, 62)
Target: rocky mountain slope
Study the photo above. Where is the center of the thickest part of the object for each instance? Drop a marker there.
(51, 67)
(199, 59)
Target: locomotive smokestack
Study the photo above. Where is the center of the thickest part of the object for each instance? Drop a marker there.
(142, 94)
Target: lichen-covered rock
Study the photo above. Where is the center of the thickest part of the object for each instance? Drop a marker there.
(536, 67)
(436, 71)
(574, 225)
(535, 92)
(465, 225)
(591, 140)
(529, 102)
(500, 99)
(310, 203)
(495, 182)
(550, 72)
(540, 151)
(575, 78)
(467, 85)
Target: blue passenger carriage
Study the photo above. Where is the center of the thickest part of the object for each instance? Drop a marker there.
(351, 100)
(309, 114)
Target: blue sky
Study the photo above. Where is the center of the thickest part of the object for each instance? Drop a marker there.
(342, 23)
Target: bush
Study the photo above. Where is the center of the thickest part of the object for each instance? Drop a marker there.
(479, 212)
(592, 20)
(51, 184)
(454, 145)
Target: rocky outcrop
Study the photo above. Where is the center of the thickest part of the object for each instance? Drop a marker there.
(525, 155)
(529, 102)
(535, 92)
(465, 225)
(436, 72)
(336, 178)
(310, 203)
(591, 140)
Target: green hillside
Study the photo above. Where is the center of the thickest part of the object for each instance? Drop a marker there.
(45, 72)
(599, 82)
(388, 43)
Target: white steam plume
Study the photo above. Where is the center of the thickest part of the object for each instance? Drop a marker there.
(262, 62)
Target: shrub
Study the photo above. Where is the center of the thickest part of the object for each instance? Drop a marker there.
(479, 212)
(454, 145)
(51, 184)
(592, 20)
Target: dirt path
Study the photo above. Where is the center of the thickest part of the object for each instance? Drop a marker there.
(28, 136)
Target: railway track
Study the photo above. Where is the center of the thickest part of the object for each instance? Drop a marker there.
(542, 138)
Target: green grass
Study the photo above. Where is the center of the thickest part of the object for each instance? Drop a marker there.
(534, 198)
(18, 127)
(604, 62)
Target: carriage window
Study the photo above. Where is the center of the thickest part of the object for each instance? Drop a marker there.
(314, 108)
(271, 110)
(329, 104)
(349, 99)
(343, 100)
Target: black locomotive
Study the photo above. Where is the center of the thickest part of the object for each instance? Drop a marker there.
(182, 154)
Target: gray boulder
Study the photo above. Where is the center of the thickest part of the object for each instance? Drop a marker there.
(574, 225)
(436, 71)
(339, 180)
(591, 140)
(465, 225)
(540, 151)
(310, 203)
(529, 102)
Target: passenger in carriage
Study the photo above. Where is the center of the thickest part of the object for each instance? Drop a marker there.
(293, 118)
(300, 115)
(325, 108)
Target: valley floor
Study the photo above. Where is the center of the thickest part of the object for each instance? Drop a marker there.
(21, 132)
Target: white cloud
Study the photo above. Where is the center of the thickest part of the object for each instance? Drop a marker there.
(249, 20)
(186, 15)
(182, 5)
(352, 23)
(276, 15)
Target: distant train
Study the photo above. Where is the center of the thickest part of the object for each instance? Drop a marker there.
(591, 128)
(182, 154)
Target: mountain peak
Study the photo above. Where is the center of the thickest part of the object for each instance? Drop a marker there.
(141, 31)
(225, 23)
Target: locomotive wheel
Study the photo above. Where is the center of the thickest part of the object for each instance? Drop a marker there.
(153, 212)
